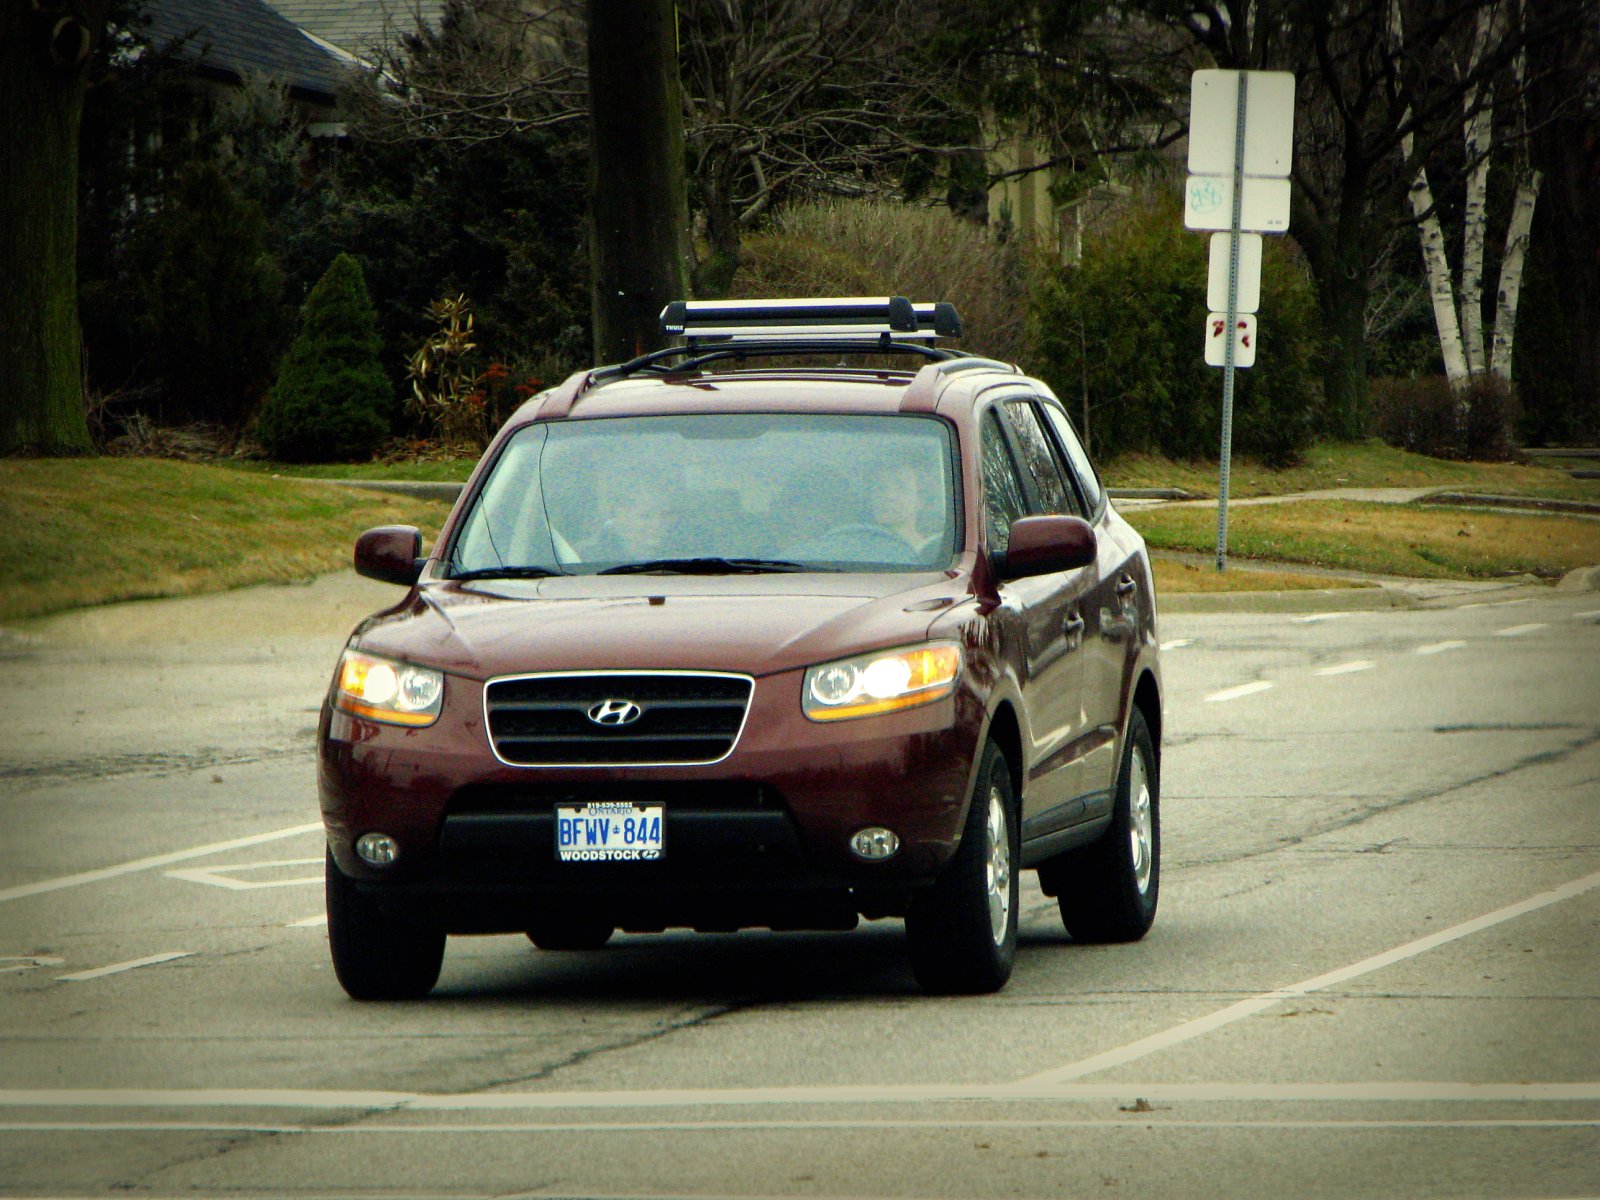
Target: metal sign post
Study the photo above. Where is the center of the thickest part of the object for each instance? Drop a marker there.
(1239, 158)
(1233, 317)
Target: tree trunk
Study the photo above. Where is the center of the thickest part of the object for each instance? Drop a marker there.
(41, 102)
(1505, 317)
(1478, 129)
(1436, 263)
(639, 223)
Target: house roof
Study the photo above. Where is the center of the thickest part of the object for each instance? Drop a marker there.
(360, 27)
(232, 38)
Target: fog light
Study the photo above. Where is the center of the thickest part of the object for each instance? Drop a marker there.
(874, 843)
(379, 849)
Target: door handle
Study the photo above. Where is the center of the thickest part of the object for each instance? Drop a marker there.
(1127, 585)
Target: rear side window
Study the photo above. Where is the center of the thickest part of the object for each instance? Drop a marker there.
(1049, 481)
(1082, 469)
(1003, 498)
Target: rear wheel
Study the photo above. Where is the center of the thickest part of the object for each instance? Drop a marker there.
(569, 931)
(381, 949)
(962, 931)
(1107, 892)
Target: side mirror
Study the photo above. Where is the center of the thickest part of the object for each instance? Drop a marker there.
(391, 553)
(1045, 545)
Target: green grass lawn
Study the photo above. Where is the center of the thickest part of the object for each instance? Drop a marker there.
(444, 470)
(1382, 539)
(1351, 464)
(95, 530)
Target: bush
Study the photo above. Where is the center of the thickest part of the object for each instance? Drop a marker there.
(1121, 332)
(332, 400)
(879, 248)
(1428, 416)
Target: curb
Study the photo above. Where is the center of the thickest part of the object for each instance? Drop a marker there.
(1356, 599)
(1166, 493)
(1535, 503)
(421, 489)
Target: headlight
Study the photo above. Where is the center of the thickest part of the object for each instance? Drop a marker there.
(383, 690)
(886, 681)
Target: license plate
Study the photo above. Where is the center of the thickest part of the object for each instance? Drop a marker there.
(610, 832)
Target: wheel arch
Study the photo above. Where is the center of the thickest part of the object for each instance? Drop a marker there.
(1006, 733)
(1147, 700)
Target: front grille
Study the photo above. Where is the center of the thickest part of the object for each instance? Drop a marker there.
(543, 720)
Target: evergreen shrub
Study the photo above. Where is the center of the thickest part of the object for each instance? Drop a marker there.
(332, 401)
(1121, 333)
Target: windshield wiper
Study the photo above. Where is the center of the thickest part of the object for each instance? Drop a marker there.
(709, 566)
(507, 573)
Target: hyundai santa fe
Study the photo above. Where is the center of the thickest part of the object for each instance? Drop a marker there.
(717, 639)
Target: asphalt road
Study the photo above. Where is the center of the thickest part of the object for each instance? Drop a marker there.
(1376, 970)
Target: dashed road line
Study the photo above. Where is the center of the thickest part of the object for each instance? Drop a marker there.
(118, 968)
(1177, 644)
(1235, 693)
(1586, 616)
(309, 922)
(1178, 1034)
(1314, 618)
(1441, 647)
(148, 864)
(1347, 668)
(1519, 630)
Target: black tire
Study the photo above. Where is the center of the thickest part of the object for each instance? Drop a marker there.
(569, 931)
(1099, 890)
(380, 950)
(951, 930)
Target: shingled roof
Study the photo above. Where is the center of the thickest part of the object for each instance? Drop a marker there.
(232, 38)
(360, 27)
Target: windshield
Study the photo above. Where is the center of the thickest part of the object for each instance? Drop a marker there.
(716, 492)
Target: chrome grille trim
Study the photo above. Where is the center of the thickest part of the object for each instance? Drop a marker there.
(582, 698)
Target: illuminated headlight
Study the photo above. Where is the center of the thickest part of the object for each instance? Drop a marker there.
(886, 681)
(382, 690)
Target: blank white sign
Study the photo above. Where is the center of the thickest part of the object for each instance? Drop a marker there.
(1249, 286)
(1208, 203)
(1268, 129)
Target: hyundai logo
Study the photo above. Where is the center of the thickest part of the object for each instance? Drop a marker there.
(615, 712)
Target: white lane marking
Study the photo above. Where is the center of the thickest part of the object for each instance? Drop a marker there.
(1493, 603)
(215, 877)
(151, 863)
(1234, 693)
(1313, 618)
(148, 864)
(1178, 1034)
(1177, 644)
(1404, 1092)
(1347, 668)
(118, 968)
(1585, 616)
(1519, 630)
(14, 964)
(1146, 1122)
(1441, 647)
(309, 922)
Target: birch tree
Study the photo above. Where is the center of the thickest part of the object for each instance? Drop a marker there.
(1468, 349)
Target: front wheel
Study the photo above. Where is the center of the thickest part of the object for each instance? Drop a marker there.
(962, 931)
(1108, 891)
(380, 950)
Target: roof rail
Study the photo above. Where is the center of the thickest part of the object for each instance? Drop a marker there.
(924, 391)
(853, 317)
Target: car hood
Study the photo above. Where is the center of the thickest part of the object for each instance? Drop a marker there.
(755, 624)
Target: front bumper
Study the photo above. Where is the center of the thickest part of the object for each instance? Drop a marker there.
(760, 832)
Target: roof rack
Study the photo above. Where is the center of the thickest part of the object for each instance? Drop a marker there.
(872, 319)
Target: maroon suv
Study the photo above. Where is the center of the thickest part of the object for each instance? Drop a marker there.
(714, 642)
